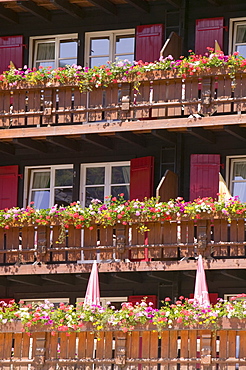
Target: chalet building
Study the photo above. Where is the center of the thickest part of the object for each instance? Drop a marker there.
(59, 145)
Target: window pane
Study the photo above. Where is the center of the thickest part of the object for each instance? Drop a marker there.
(239, 189)
(241, 33)
(63, 197)
(97, 62)
(99, 46)
(64, 177)
(239, 171)
(41, 180)
(67, 62)
(124, 44)
(95, 176)
(41, 199)
(120, 175)
(68, 49)
(242, 50)
(45, 64)
(46, 51)
(116, 190)
(96, 192)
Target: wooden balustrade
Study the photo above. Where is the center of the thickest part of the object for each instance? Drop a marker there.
(164, 240)
(161, 95)
(141, 349)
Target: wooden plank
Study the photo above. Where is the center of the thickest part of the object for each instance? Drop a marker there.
(34, 99)
(74, 240)
(63, 345)
(173, 351)
(12, 244)
(71, 351)
(2, 341)
(241, 236)
(137, 239)
(43, 242)
(57, 256)
(192, 347)
(95, 101)
(2, 256)
(89, 345)
(27, 242)
(233, 237)
(155, 237)
(53, 348)
(122, 241)
(79, 103)
(17, 346)
(90, 240)
(242, 348)
(106, 239)
(8, 341)
(100, 346)
(81, 344)
(135, 344)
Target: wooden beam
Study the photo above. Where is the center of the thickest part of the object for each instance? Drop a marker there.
(71, 9)
(104, 279)
(131, 138)
(173, 124)
(202, 134)
(238, 132)
(64, 280)
(105, 5)
(33, 280)
(7, 149)
(158, 277)
(36, 10)
(234, 275)
(64, 143)
(140, 5)
(165, 135)
(31, 144)
(102, 142)
(8, 15)
(175, 3)
(79, 268)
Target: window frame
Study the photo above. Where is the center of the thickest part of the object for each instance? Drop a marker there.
(104, 300)
(35, 40)
(29, 173)
(234, 22)
(107, 184)
(230, 160)
(112, 34)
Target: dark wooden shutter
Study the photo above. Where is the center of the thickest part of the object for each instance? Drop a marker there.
(8, 186)
(204, 175)
(207, 31)
(11, 50)
(141, 178)
(139, 298)
(149, 42)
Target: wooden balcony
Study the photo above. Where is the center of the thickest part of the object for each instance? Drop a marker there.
(161, 96)
(142, 349)
(164, 241)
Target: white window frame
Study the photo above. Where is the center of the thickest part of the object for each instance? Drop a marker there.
(227, 297)
(112, 34)
(229, 169)
(104, 300)
(232, 32)
(51, 38)
(107, 183)
(29, 172)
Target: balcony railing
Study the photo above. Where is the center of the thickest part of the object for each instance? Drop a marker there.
(173, 240)
(160, 95)
(142, 349)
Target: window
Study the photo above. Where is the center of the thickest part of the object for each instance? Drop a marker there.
(104, 179)
(56, 301)
(53, 51)
(238, 36)
(236, 169)
(109, 46)
(49, 185)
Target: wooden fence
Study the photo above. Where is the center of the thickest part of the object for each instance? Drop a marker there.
(140, 349)
(163, 240)
(161, 95)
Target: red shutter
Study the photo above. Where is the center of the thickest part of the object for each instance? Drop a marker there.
(204, 175)
(213, 297)
(11, 50)
(8, 186)
(149, 41)
(141, 178)
(139, 298)
(207, 31)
